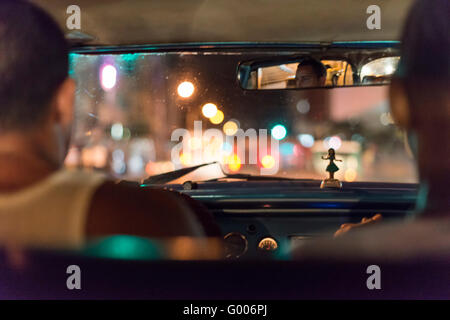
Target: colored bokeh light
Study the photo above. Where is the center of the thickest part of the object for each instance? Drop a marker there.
(287, 149)
(185, 89)
(108, 77)
(217, 118)
(230, 128)
(350, 175)
(117, 131)
(227, 148)
(234, 163)
(279, 132)
(186, 159)
(333, 142)
(209, 110)
(268, 161)
(306, 140)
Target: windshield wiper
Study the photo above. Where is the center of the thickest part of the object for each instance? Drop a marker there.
(175, 174)
(172, 175)
(249, 177)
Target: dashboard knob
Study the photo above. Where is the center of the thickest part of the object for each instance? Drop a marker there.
(236, 245)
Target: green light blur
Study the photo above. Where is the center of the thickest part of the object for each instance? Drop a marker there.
(128, 61)
(124, 247)
(72, 62)
(129, 57)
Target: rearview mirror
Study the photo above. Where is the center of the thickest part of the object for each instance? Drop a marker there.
(310, 72)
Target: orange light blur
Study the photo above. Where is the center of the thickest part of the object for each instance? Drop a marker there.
(230, 128)
(218, 118)
(148, 168)
(350, 175)
(234, 162)
(159, 167)
(185, 159)
(268, 161)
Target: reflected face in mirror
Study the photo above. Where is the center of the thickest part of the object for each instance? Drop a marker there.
(308, 75)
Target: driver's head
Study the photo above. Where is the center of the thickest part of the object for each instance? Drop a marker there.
(36, 95)
(310, 73)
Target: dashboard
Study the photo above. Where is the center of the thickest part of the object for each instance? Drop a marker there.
(261, 217)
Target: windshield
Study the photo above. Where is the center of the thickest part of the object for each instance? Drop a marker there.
(143, 114)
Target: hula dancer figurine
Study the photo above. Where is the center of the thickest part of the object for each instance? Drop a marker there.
(331, 182)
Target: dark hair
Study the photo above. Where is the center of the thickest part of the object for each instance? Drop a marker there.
(318, 67)
(33, 63)
(425, 46)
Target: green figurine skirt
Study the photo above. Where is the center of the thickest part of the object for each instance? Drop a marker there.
(332, 168)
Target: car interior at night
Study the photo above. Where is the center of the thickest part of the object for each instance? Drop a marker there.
(276, 133)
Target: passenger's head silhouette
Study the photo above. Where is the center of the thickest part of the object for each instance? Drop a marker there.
(420, 96)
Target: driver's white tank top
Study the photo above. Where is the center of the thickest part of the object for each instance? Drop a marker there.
(51, 213)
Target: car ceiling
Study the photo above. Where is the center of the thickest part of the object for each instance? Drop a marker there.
(123, 22)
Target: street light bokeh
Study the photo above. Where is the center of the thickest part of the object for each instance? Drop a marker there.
(209, 110)
(185, 89)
